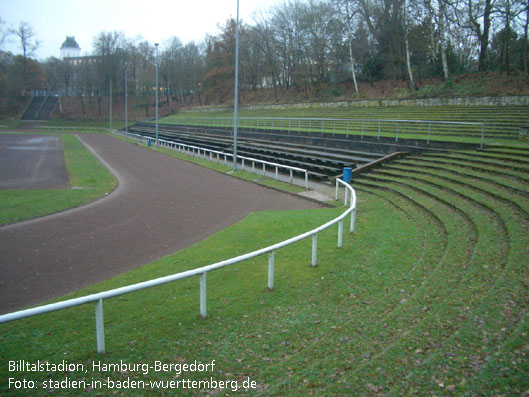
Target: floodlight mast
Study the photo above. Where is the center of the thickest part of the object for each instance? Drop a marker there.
(110, 104)
(126, 105)
(236, 101)
(156, 129)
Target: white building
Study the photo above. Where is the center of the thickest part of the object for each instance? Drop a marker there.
(70, 48)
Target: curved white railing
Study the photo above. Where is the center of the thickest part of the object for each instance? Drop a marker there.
(202, 271)
(190, 149)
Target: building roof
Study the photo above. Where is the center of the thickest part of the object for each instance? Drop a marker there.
(70, 43)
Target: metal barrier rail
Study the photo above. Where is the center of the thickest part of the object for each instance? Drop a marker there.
(192, 149)
(201, 271)
(346, 126)
(51, 128)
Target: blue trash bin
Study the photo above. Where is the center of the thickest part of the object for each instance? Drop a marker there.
(149, 143)
(347, 174)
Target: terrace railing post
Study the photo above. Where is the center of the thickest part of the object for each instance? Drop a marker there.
(345, 199)
(291, 176)
(203, 308)
(353, 219)
(362, 129)
(271, 270)
(276, 173)
(336, 193)
(100, 327)
(306, 180)
(314, 249)
(340, 233)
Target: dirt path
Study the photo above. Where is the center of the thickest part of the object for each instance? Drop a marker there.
(160, 206)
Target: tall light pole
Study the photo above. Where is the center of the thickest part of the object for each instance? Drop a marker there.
(110, 104)
(156, 45)
(236, 102)
(126, 109)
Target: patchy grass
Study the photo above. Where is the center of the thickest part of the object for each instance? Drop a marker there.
(89, 177)
(248, 328)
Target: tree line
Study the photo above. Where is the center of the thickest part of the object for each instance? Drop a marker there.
(299, 45)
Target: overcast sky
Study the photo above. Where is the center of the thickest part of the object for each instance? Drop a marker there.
(155, 21)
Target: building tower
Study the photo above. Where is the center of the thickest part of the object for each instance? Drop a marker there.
(70, 48)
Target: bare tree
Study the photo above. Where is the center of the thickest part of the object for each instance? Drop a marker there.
(349, 12)
(4, 33)
(525, 39)
(477, 15)
(28, 44)
(438, 13)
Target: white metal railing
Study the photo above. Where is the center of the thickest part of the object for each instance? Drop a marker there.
(373, 127)
(350, 196)
(192, 150)
(52, 128)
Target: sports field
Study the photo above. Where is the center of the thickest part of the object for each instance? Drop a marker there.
(429, 296)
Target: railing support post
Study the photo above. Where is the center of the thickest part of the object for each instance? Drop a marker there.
(306, 180)
(291, 176)
(100, 327)
(362, 129)
(271, 270)
(346, 194)
(340, 233)
(203, 308)
(353, 219)
(314, 249)
(336, 193)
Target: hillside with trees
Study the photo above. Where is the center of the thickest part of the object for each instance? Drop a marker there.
(301, 50)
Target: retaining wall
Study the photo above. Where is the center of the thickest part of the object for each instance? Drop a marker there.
(518, 100)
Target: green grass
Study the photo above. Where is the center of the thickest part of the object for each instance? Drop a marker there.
(246, 323)
(89, 177)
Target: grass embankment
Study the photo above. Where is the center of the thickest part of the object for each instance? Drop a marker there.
(499, 121)
(429, 296)
(89, 180)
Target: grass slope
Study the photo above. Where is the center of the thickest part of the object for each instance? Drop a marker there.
(89, 177)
